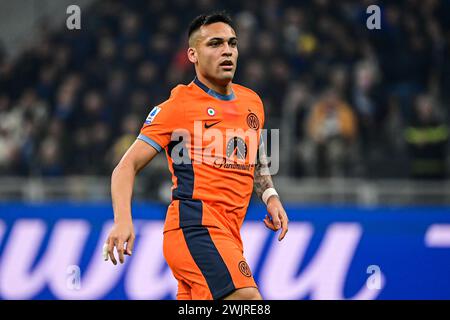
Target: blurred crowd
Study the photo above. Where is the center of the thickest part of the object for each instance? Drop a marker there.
(349, 101)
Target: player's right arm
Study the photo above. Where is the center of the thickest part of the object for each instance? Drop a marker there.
(155, 135)
(122, 181)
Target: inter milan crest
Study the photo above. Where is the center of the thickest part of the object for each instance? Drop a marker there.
(245, 269)
(253, 121)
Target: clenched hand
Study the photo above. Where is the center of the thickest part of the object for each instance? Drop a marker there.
(120, 234)
(278, 217)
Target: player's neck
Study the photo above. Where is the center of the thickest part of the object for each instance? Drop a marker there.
(221, 89)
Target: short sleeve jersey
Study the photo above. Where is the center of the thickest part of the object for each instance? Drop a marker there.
(211, 142)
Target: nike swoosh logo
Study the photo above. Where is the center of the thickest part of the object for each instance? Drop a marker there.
(207, 126)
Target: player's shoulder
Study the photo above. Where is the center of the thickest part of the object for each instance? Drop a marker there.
(181, 92)
(177, 95)
(251, 98)
(246, 93)
(178, 92)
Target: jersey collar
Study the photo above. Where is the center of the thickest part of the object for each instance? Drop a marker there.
(213, 93)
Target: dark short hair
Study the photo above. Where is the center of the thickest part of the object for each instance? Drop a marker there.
(203, 20)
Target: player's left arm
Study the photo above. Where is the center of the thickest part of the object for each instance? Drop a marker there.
(264, 188)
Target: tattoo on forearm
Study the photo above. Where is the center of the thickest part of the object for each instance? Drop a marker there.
(263, 179)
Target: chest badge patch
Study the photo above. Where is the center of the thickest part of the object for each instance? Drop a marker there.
(211, 112)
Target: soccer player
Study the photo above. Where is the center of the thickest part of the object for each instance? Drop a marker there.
(202, 243)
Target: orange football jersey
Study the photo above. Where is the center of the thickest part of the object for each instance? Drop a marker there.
(213, 162)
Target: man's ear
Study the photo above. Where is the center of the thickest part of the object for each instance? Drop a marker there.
(192, 55)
